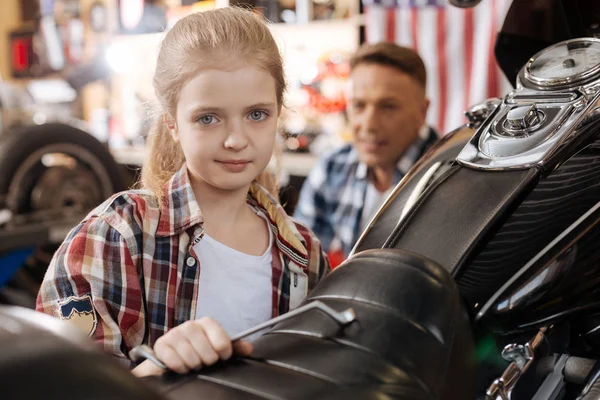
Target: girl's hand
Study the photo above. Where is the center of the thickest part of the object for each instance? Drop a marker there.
(192, 345)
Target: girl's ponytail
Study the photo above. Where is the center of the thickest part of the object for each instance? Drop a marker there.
(269, 179)
(163, 160)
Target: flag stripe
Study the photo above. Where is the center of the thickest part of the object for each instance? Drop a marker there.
(414, 14)
(442, 70)
(427, 18)
(403, 27)
(391, 24)
(504, 85)
(455, 59)
(481, 44)
(468, 40)
(492, 81)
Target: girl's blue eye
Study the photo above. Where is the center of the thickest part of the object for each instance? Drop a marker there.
(258, 115)
(206, 119)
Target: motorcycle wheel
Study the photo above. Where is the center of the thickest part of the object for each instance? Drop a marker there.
(49, 171)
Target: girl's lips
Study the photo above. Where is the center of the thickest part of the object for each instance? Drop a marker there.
(234, 165)
(233, 161)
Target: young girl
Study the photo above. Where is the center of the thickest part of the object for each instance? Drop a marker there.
(204, 251)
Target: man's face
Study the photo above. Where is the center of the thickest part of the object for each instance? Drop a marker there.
(387, 109)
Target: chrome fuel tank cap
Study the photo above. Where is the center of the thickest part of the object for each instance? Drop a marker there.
(522, 119)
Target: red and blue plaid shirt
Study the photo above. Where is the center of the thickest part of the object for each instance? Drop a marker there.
(333, 195)
(128, 272)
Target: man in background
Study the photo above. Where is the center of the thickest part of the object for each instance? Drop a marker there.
(387, 108)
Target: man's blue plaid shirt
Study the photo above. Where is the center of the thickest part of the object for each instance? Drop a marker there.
(333, 195)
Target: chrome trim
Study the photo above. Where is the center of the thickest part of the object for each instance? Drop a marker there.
(419, 189)
(343, 318)
(565, 102)
(556, 132)
(145, 352)
(593, 330)
(477, 114)
(518, 353)
(492, 300)
(537, 118)
(590, 384)
(522, 357)
(414, 196)
(539, 130)
(524, 95)
(450, 142)
(553, 83)
(520, 296)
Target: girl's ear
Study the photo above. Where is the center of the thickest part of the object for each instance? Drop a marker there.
(171, 126)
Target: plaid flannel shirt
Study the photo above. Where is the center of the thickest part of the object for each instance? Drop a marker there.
(128, 272)
(333, 196)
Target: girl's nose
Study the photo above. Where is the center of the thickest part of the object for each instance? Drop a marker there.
(236, 140)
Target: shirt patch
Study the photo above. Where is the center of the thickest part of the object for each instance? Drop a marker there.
(79, 311)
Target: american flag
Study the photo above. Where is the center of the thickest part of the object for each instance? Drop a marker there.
(457, 46)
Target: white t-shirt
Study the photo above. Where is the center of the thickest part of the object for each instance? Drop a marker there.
(235, 288)
(373, 200)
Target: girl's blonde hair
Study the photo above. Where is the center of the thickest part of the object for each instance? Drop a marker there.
(209, 39)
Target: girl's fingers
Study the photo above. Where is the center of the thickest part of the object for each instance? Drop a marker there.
(197, 343)
(195, 333)
(169, 356)
(242, 348)
(147, 368)
(218, 338)
(188, 353)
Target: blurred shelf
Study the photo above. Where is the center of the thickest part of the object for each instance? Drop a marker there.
(357, 20)
(132, 156)
(298, 164)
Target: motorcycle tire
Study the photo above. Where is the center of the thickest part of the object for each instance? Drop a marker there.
(18, 146)
(23, 171)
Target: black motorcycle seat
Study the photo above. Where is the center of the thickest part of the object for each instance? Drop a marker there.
(411, 340)
(43, 358)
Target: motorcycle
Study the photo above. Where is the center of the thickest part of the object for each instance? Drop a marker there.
(478, 278)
